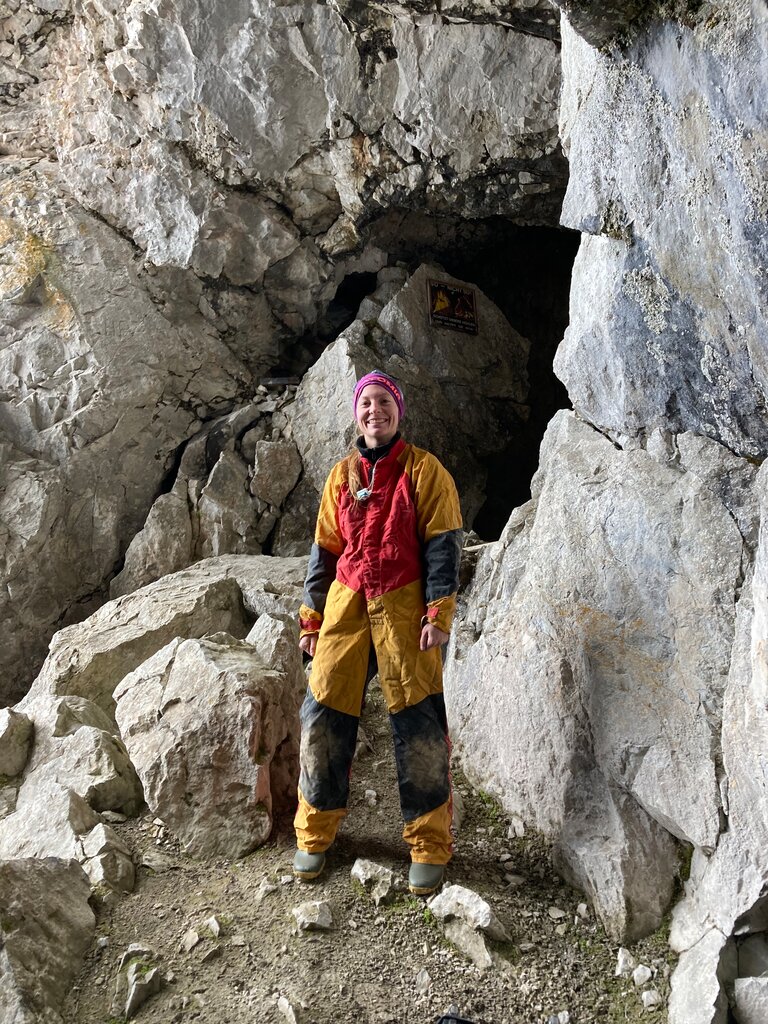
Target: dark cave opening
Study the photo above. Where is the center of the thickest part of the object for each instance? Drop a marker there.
(343, 307)
(526, 271)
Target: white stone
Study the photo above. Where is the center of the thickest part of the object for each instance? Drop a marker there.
(374, 877)
(314, 915)
(751, 1000)
(625, 963)
(641, 975)
(456, 901)
(423, 981)
(651, 999)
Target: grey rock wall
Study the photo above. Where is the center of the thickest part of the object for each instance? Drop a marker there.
(618, 622)
(668, 298)
(100, 385)
(184, 190)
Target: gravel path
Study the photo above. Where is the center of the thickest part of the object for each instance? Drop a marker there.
(390, 963)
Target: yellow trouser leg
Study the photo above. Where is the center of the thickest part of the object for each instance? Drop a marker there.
(429, 836)
(315, 830)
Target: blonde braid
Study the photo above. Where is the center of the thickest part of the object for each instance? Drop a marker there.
(354, 475)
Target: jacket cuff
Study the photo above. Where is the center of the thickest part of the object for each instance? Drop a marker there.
(310, 621)
(440, 613)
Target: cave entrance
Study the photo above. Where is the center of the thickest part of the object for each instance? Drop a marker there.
(526, 271)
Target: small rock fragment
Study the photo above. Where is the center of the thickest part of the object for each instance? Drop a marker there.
(625, 963)
(137, 980)
(423, 981)
(213, 926)
(314, 915)
(158, 862)
(189, 940)
(141, 985)
(265, 887)
(516, 827)
(556, 913)
(289, 1009)
(651, 999)
(371, 797)
(455, 901)
(641, 975)
(583, 911)
(374, 877)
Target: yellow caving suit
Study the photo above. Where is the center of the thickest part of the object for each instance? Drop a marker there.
(380, 567)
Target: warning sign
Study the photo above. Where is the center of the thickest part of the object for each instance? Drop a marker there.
(452, 306)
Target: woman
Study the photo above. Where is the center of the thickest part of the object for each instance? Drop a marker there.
(380, 595)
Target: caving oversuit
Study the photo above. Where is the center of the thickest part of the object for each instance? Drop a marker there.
(380, 568)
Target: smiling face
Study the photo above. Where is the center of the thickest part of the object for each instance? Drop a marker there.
(376, 415)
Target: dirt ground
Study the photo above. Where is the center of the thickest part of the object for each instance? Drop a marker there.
(376, 965)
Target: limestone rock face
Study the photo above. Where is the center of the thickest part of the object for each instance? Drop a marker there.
(204, 721)
(69, 829)
(41, 953)
(319, 113)
(668, 325)
(666, 348)
(15, 739)
(233, 479)
(222, 594)
(607, 637)
(724, 896)
(463, 409)
(100, 387)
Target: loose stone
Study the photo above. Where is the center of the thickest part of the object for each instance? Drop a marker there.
(641, 975)
(314, 915)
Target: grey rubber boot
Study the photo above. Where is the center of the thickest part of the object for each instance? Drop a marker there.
(307, 866)
(425, 878)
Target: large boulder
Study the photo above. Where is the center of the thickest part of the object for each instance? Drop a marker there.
(606, 637)
(51, 820)
(218, 594)
(41, 953)
(207, 723)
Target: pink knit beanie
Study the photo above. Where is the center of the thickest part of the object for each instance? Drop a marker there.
(384, 381)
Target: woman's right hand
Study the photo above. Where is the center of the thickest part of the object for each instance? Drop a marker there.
(308, 644)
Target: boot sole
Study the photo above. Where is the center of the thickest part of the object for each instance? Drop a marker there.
(424, 890)
(307, 876)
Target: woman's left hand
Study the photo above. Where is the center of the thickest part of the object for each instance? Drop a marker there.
(431, 636)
